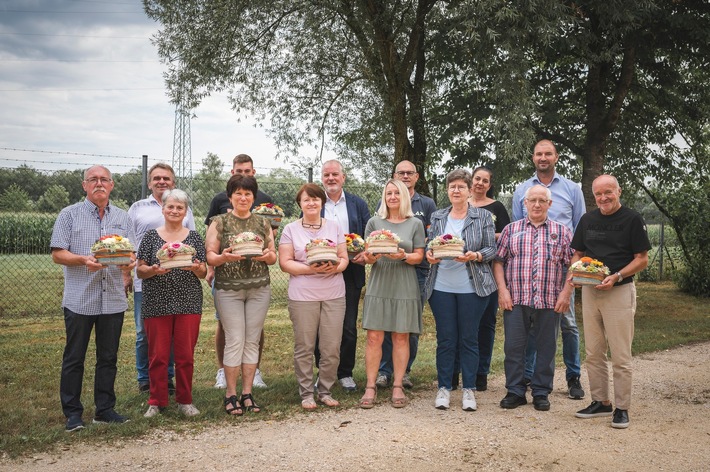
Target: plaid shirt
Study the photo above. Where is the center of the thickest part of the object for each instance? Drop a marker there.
(77, 228)
(535, 261)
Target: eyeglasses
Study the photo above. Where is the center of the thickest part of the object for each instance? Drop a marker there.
(408, 173)
(307, 225)
(95, 180)
(540, 201)
(457, 188)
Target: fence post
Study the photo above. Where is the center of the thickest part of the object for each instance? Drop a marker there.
(661, 241)
(310, 175)
(435, 189)
(144, 176)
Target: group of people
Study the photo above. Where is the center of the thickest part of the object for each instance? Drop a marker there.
(521, 267)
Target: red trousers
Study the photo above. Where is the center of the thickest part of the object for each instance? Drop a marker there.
(181, 332)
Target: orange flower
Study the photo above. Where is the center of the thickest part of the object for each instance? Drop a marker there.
(586, 259)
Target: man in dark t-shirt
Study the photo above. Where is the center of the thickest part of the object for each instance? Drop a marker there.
(244, 165)
(616, 236)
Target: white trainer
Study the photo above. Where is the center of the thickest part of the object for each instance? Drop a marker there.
(469, 400)
(188, 409)
(220, 379)
(153, 410)
(443, 397)
(348, 384)
(258, 381)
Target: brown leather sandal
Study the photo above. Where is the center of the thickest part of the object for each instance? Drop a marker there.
(368, 402)
(399, 402)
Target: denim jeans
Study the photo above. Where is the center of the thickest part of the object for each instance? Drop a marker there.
(487, 334)
(386, 367)
(519, 324)
(142, 344)
(570, 346)
(78, 333)
(457, 317)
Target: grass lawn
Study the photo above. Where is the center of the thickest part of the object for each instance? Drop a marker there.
(31, 351)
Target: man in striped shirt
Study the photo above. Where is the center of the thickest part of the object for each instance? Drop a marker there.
(94, 297)
(530, 269)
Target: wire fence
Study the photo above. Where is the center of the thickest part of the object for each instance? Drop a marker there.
(32, 284)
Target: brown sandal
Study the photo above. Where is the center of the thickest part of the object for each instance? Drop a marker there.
(368, 402)
(398, 402)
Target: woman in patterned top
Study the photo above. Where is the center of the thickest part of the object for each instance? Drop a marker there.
(172, 306)
(242, 290)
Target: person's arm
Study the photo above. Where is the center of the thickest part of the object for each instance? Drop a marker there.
(578, 206)
(212, 243)
(269, 254)
(637, 264)
(68, 258)
(517, 204)
(505, 301)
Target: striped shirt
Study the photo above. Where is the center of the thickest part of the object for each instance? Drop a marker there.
(77, 228)
(535, 261)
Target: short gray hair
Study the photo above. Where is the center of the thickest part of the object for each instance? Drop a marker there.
(176, 194)
(548, 193)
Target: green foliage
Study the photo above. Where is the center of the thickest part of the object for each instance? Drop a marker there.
(15, 198)
(53, 200)
(28, 233)
(207, 183)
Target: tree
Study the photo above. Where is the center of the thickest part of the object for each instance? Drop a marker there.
(207, 183)
(352, 71)
(53, 200)
(15, 199)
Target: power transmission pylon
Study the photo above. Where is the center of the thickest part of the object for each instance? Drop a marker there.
(182, 149)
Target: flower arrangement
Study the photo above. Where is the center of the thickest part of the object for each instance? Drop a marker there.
(245, 237)
(322, 242)
(445, 239)
(112, 243)
(354, 243)
(269, 209)
(383, 235)
(591, 266)
(170, 250)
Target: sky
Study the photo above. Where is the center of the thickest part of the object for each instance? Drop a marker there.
(81, 83)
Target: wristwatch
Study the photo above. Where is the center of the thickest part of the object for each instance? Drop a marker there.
(621, 277)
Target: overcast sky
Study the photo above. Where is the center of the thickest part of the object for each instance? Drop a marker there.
(81, 76)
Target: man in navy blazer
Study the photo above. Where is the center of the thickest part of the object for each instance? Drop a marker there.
(352, 214)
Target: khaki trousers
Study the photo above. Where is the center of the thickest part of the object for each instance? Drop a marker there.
(608, 319)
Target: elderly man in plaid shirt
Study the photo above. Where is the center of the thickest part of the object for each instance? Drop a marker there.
(94, 297)
(530, 269)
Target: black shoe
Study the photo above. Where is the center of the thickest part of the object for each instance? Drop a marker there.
(575, 388)
(110, 416)
(171, 387)
(541, 403)
(621, 419)
(512, 400)
(74, 423)
(595, 410)
(144, 387)
(481, 382)
(527, 383)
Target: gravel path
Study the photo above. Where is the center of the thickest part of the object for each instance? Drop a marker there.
(670, 430)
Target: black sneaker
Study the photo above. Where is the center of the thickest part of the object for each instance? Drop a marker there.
(171, 387)
(512, 400)
(74, 423)
(621, 419)
(144, 387)
(481, 382)
(110, 416)
(541, 403)
(575, 388)
(595, 410)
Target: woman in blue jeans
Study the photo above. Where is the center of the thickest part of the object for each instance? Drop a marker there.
(458, 290)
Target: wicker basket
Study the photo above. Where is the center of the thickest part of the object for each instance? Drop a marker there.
(587, 278)
(178, 260)
(108, 258)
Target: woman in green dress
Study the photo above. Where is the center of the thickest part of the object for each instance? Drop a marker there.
(392, 300)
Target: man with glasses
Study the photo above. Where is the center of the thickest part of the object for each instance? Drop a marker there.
(94, 297)
(530, 269)
(147, 214)
(567, 208)
(422, 207)
(244, 165)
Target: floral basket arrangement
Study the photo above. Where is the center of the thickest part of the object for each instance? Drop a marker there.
(446, 246)
(247, 244)
(382, 241)
(113, 249)
(271, 212)
(321, 250)
(588, 271)
(174, 255)
(354, 243)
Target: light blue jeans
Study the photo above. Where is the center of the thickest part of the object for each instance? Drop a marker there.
(570, 346)
(142, 345)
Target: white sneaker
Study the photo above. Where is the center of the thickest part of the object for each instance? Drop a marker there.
(348, 384)
(153, 410)
(469, 400)
(188, 410)
(258, 381)
(220, 379)
(442, 399)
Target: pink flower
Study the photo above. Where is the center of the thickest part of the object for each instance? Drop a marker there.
(176, 245)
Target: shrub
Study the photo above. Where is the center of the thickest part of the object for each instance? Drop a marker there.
(27, 233)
